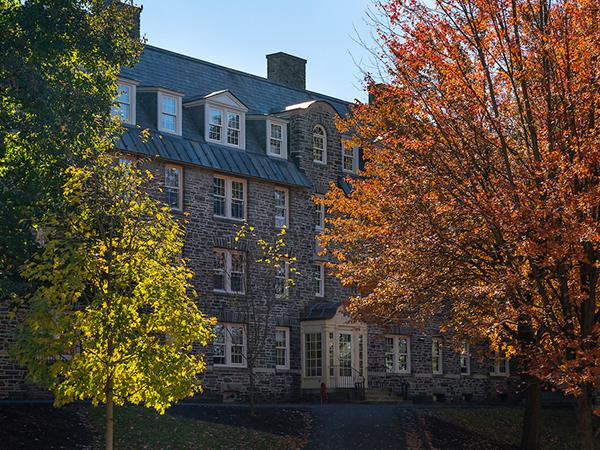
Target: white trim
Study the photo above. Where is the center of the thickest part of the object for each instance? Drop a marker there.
(132, 86)
(345, 147)
(324, 149)
(225, 109)
(396, 353)
(286, 275)
(179, 206)
(283, 125)
(465, 352)
(164, 93)
(227, 269)
(228, 197)
(304, 367)
(440, 355)
(496, 369)
(228, 345)
(320, 213)
(286, 197)
(285, 366)
(321, 280)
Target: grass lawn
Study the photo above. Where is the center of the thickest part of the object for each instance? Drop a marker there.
(503, 425)
(140, 428)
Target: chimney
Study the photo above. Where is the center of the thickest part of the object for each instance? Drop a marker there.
(286, 69)
(131, 13)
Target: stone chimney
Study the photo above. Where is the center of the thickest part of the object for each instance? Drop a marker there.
(286, 69)
(132, 13)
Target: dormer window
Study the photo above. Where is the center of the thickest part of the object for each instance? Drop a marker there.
(169, 112)
(276, 139)
(319, 145)
(349, 158)
(215, 124)
(124, 105)
(233, 129)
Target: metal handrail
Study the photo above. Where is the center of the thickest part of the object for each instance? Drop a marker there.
(355, 380)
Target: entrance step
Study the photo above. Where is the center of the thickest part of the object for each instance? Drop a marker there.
(375, 395)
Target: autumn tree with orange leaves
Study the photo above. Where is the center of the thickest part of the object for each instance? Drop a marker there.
(480, 194)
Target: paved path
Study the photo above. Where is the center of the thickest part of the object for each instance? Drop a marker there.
(366, 426)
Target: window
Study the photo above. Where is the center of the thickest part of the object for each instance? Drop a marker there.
(225, 126)
(320, 279)
(319, 145)
(229, 198)
(229, 345)
(501, 366)
(277, 139)
(124, 106)
(282, 348)
(397, 354)
(465, 359)
(281, 207)
(349, 159)
(233, 129)
(312, 355)
(320, 214)
(281, 279)
(331, 355)
(173, 186)
(215, 124)
(169, 113)
(436, 355)
(229, 271)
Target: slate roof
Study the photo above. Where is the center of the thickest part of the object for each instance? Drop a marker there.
(321, 311)
(195, 79)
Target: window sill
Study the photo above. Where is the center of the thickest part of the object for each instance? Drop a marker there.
(229, 293)
(229, 366)
(228, 219)
(322, 163)
(281, 369)
(499, 375)
(169, 132)
(275, 155)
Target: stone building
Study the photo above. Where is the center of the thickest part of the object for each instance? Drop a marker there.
(229, 147)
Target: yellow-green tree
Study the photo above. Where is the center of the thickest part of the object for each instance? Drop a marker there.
(113, 318)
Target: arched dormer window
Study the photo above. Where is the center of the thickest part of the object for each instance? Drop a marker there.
(319, 145)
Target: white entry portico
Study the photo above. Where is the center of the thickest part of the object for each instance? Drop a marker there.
(334, 349)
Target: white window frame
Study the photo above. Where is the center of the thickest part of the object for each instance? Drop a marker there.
(440, 356)
(396, 353)
(131, 120)
(179, 188)
(283, 125)
(228, 197)
(321, 280)
(354, 156)
(320, 213)
(228, 270)
(314, 133)
(286, 331)
(227, 327)
(465, 356)
(285, 277)
(304, 359)
(160, 95)
(225, 125)
(498, 357)
(286, 216)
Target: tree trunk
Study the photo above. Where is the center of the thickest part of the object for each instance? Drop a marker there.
(251, 390)
(532, 418)
(584, 418)
(109, 415)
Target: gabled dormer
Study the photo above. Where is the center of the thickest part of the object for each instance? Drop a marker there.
(124, 105)
(167, 106)
(221, 117)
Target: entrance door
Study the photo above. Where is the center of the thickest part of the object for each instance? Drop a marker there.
(346, 356)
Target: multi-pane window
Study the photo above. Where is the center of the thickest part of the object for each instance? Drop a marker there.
(312, 355)
(124, 103)
(319, 145)
(349, 159)
(281, 279)
(233, 129)
(225, 126)
(229, 271)
(320, 279)
(436, 355)
(168, 113)
(215, 124)
(173, 186)
(229, 345)
(361, 354)
(276, 139)
(397, 354)
(281, 207)
(331, 355)
(229, 198)
(319, 214)
(465, 359)
(501, 365)
(282, 348)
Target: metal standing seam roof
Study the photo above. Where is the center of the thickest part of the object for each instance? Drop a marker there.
(212, 156)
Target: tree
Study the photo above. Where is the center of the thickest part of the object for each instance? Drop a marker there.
(112, 318)
(58, 65)
(259, 299)
(480, 191)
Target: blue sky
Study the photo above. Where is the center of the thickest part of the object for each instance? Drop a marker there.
(239, 33)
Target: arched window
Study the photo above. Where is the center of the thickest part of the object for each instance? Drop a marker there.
(319, 145)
